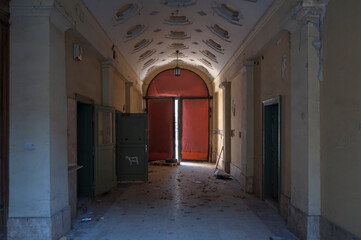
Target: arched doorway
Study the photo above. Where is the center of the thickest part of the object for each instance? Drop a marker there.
(178, 109)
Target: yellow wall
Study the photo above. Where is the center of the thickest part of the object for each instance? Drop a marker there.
(119, 93)
(239, 123)
(136, 101)
(83, 77)
(341, 115)
(269, 83)
(218, 134)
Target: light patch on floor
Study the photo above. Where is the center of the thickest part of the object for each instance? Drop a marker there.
(183, 202)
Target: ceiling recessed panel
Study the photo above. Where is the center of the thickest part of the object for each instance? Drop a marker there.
(206, 32)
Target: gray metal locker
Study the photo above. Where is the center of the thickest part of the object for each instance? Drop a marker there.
(132, 147)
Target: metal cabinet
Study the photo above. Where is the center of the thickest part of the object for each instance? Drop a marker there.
(132, 147)
(96, 149)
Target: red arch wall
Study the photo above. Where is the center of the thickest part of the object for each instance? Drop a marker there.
(192, 91)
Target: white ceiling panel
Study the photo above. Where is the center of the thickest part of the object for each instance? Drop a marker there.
(206, 32)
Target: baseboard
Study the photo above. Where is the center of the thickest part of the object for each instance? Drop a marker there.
(35, 228)
(246, 182)
(305, 227)
(330, 231)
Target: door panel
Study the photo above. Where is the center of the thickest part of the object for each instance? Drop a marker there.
(271, 150)
(195, 125)
(132, 153)
(104, 149)
(161, 128)
(4, 116)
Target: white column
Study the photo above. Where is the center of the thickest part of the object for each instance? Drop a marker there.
(306, 73)
(226, 87)
(38, 171)
(249, 65)
(128, 98)
(108, 82)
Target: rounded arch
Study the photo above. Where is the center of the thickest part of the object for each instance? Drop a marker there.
(204, 76)
(189, 84)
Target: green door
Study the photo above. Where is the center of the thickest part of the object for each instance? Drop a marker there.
(104, 161)
(132, 147)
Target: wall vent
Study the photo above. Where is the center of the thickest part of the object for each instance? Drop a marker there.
(135, 31)
(220, 31)
(179, 3)
(214, 45)
(209, 55)
(177, 46)
(126, 12)
(175, 34)
(229, 13)
(141, 44)
(149, 62)
(146, 55)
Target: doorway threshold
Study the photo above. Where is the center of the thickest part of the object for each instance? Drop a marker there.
(272, 203)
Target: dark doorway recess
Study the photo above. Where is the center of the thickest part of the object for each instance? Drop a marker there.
(190, 94)
(4, 116)
(271, 151)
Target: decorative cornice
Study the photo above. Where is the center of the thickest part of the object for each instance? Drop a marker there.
(56, 14)
(272, 10)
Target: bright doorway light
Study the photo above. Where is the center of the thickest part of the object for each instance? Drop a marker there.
(176, 127)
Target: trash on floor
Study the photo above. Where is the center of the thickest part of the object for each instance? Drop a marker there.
(86, 219)
(278, 238)
(222, 175)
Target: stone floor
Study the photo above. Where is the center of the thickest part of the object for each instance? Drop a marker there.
(184, 202)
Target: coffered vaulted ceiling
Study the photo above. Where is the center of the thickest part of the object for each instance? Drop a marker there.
(206, 32)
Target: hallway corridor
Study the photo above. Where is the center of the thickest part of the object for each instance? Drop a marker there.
(184, 202)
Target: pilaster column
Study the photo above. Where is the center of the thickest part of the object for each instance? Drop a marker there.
(226, 86)
(305, 26)
(249, 65)
(38, 172)
(108, 83)
(128, 85)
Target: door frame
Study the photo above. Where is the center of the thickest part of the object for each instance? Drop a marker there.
(4, 118)
(269, 102)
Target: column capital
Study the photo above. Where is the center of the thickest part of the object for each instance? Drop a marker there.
(310, 11)
(225, 85)
(128, 84)
(248, 63)
(108, 64)
(307, 11)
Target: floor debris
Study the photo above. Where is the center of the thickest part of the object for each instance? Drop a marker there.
(176, 204)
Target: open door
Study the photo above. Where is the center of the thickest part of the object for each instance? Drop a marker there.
(271, 151)
(195, 127)
(161, 128)
(132, 147)
(96, 149)
(104, 149)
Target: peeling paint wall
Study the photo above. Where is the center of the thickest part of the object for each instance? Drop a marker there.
(341, 116)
